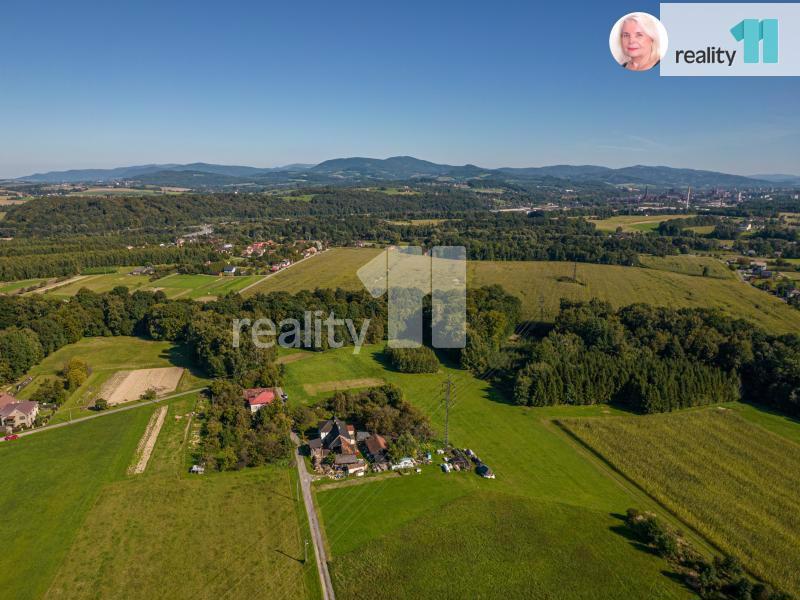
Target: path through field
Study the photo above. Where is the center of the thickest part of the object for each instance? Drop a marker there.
(148, 440)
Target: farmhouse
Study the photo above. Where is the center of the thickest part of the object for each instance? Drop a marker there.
(19, 414)
(229, 270)
(376, 451)
(338, 438)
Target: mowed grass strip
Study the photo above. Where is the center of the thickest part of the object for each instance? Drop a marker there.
(541, 285)
(330, 269)
(51, 482)
(165, 533)
(633, 223)
(737, 484)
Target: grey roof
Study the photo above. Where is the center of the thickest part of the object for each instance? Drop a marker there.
(346, 459)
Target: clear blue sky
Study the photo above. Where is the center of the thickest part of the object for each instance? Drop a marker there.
(103, 84)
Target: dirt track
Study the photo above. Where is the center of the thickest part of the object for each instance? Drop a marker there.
(148, 441)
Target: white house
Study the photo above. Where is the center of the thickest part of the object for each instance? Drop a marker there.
(20, 414)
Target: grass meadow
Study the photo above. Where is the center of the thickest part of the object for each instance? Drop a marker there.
(734, 482)
(166, 533)
(687, 264)
(52, 481)
(435, 535)
(541, 285)
(671, 281)
(634, 223)
(333, 268)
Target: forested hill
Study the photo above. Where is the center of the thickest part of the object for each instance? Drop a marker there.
(57, 215)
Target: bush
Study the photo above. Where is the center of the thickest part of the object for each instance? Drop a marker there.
(413, 360)
(101, 404)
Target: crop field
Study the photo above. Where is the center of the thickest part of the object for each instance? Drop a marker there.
(333, 268)
(125, 386)
(106, 357)
(547, 489)
(687, 264)
(220, 535)
(103, 282)
(57, 477)
(634, 223)
(737, 484)
(541, 285)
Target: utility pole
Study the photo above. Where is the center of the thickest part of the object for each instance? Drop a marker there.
(305, 552)
(448, 388)
(541, 308)
(575, 272)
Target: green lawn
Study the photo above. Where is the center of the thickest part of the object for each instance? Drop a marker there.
(106, 356)
(235, 535)
(551, 505)
(736, 483)
(51, 482)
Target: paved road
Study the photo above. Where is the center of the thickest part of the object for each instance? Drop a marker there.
(313, 522)
(104, 413)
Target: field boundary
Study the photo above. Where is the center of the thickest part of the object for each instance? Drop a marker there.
(626, 483)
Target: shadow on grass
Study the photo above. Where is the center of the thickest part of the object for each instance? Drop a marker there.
(624, 531)
(180, 356)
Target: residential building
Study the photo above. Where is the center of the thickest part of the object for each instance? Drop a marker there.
(258, 398)
(19, 414)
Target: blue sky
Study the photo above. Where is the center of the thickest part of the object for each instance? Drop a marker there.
(103, 84)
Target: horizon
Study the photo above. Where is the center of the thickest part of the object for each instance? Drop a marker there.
(471, 87)
(312, 164)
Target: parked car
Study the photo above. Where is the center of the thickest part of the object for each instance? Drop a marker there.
(12, 437)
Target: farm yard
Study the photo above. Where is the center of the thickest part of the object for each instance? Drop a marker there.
(107, 357)
(732, 481)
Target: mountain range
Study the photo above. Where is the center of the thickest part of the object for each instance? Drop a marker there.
(400, 168)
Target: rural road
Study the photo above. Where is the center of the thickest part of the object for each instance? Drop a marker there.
(313, 523)
(104, 413)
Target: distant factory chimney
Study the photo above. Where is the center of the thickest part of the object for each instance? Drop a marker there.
(689, 197)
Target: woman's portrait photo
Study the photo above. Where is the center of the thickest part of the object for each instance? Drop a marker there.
(638, 41)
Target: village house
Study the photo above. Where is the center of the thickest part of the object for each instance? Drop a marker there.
(258, 398)
(229, 270)
(377, 452)
(19, 414)
(338, 438)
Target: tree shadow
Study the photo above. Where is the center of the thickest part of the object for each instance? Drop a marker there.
(180, 356)
(624, 531)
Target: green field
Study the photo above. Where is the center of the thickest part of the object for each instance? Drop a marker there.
(78, 526)
(52, 481)
(226, 535)
(12, 287)
(196, 287)
(687, 264)
(543, 284)
(333, 268)
(634, 223)
(435, 535)
(106, 356)
(736, 483)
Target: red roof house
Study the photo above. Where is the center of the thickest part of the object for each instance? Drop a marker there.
(259, 397)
